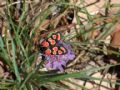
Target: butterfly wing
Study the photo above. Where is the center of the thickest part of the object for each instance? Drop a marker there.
(50, 45)
(58, 50)
(56, 36)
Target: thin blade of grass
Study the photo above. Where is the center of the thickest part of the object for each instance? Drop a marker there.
(15, 66)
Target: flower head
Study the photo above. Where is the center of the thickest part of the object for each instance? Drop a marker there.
(58, 61)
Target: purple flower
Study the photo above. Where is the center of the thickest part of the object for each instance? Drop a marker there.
(57, 62)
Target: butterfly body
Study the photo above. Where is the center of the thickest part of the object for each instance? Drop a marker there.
(51, 46)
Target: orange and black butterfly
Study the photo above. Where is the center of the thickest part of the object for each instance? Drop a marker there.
(51, 46)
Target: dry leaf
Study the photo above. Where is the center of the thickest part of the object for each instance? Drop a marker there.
(115, 36)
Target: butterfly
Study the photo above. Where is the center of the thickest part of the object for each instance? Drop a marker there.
(51, 45)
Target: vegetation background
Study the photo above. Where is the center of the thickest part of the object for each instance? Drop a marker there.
(91, 27)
